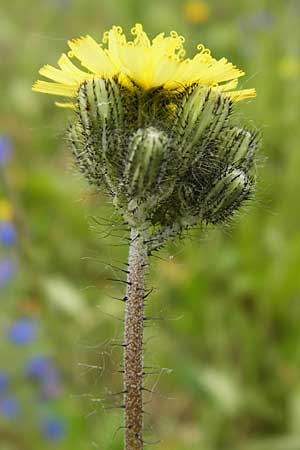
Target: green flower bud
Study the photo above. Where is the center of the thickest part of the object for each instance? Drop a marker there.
(101, 115)
(239, 146)
(200, 117)
(91, 168)
(225, 196)
(146, 163)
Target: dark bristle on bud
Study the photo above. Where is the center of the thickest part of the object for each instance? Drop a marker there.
(170, 160)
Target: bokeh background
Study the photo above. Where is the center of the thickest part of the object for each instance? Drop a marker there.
(226, 357)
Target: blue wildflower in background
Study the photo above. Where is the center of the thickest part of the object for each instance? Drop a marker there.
(4, 382)
(41, 368)
(7, 271)
(54, 429)
(5, 150)
(38, 366)
(9, 407)
(7, 233)
(51, 384)
(23, 331)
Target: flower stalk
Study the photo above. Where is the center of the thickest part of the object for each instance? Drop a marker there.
(133, 343)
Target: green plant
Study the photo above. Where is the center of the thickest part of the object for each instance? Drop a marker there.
(157, 133)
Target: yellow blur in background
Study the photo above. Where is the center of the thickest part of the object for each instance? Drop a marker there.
(196, 11)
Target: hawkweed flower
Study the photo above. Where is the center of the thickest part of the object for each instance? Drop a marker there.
(156, 131)
(155, 128)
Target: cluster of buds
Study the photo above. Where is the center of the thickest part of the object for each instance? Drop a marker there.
(170, 160)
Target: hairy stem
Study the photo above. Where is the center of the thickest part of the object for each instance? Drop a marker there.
(133, 340)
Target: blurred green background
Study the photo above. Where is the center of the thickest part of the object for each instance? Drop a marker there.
(226, 359)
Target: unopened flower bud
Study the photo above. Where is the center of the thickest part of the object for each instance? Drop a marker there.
(145, 166)
(227, 194)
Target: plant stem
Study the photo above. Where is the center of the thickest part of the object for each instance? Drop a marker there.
(133, 340)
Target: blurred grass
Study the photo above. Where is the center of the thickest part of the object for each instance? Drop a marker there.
(231, 298)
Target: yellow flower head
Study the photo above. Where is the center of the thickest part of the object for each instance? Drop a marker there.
(140, 62)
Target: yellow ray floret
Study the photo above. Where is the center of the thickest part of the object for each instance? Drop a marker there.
(148, 64)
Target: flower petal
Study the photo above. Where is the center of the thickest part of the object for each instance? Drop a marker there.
(69, 68)
(54, 88)
(57, 75)
(92, 56)
(237, 96)
(65, 105)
